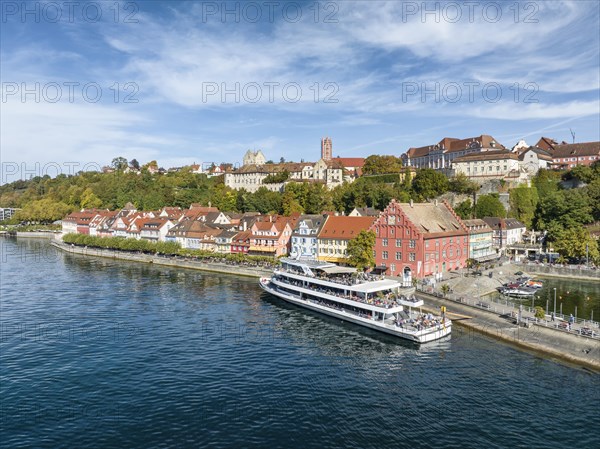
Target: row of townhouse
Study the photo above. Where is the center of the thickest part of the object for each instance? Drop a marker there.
(412, 239)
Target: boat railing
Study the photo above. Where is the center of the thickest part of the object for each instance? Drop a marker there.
(423, 322)
(385, 302)
(347, 280)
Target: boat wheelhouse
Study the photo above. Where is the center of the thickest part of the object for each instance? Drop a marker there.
(364, 299)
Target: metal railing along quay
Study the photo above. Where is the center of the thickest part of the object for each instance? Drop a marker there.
(504, 307)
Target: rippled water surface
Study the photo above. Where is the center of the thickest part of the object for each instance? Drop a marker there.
(102, 353)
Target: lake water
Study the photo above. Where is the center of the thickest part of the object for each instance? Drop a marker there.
(102, 353)
(579, 297)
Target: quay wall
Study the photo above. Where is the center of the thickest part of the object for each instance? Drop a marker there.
(255, 272)
(37, 235)
(561, 272)
(562, 346)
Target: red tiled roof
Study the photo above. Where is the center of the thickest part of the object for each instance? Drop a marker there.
(576, 149)
(343, 227)
(351, 161)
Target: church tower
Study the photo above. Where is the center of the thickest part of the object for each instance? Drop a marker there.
(326, 149)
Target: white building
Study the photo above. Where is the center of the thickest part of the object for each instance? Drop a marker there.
(507, 231)
(488, 165)
(532, 159)
(304, 237)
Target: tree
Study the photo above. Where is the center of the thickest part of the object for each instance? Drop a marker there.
(406, 184)
(563, 209)
(576, 242)
(291, 204)
(89, 200)
(463, 185)
(429, 183)
(539, 313)
(464, 210)
(593, 192)
(360, 250)
(445, 289)
(119, 163)
(276, 178)
(546, 182)
(523, 203)
(134, 164)
(582, 173)
(379, 165)
(489, 206)
(43, 211)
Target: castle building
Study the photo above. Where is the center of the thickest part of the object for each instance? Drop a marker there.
(254, 158)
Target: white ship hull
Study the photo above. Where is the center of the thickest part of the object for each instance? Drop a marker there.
(418, 336)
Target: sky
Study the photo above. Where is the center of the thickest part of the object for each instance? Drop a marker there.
(184, 82)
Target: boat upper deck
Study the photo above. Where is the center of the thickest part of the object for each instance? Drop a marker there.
(345, 282)
(347, 277)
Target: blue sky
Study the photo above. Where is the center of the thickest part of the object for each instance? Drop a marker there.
(377, 78)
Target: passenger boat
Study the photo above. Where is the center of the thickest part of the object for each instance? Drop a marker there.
(359, 298)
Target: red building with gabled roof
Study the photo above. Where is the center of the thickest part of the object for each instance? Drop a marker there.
(420, 239)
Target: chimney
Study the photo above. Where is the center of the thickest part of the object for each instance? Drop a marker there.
(209, 204)
(411, 202)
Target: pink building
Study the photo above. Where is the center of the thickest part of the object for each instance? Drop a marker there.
(420, 239)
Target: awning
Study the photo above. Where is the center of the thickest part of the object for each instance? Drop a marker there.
(338, 270)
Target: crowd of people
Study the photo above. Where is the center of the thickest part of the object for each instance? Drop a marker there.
(423, 321)
(387, 300)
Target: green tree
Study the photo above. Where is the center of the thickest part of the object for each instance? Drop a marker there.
(576, 242)
(539, 313)
(276, 178)
(119, 163)
(429, 183)
(523, 203)
(593, 192)
(290, 204)
(463, 185)
(489, 206)
(546, 182)
(445, 289)
(563, 209)
(360, 250)
(43, 211)
(464, 210)
(582, 173)
(379, 165)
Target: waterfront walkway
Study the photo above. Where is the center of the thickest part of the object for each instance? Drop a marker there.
(499, 323)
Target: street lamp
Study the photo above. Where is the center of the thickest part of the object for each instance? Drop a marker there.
(555, 301)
